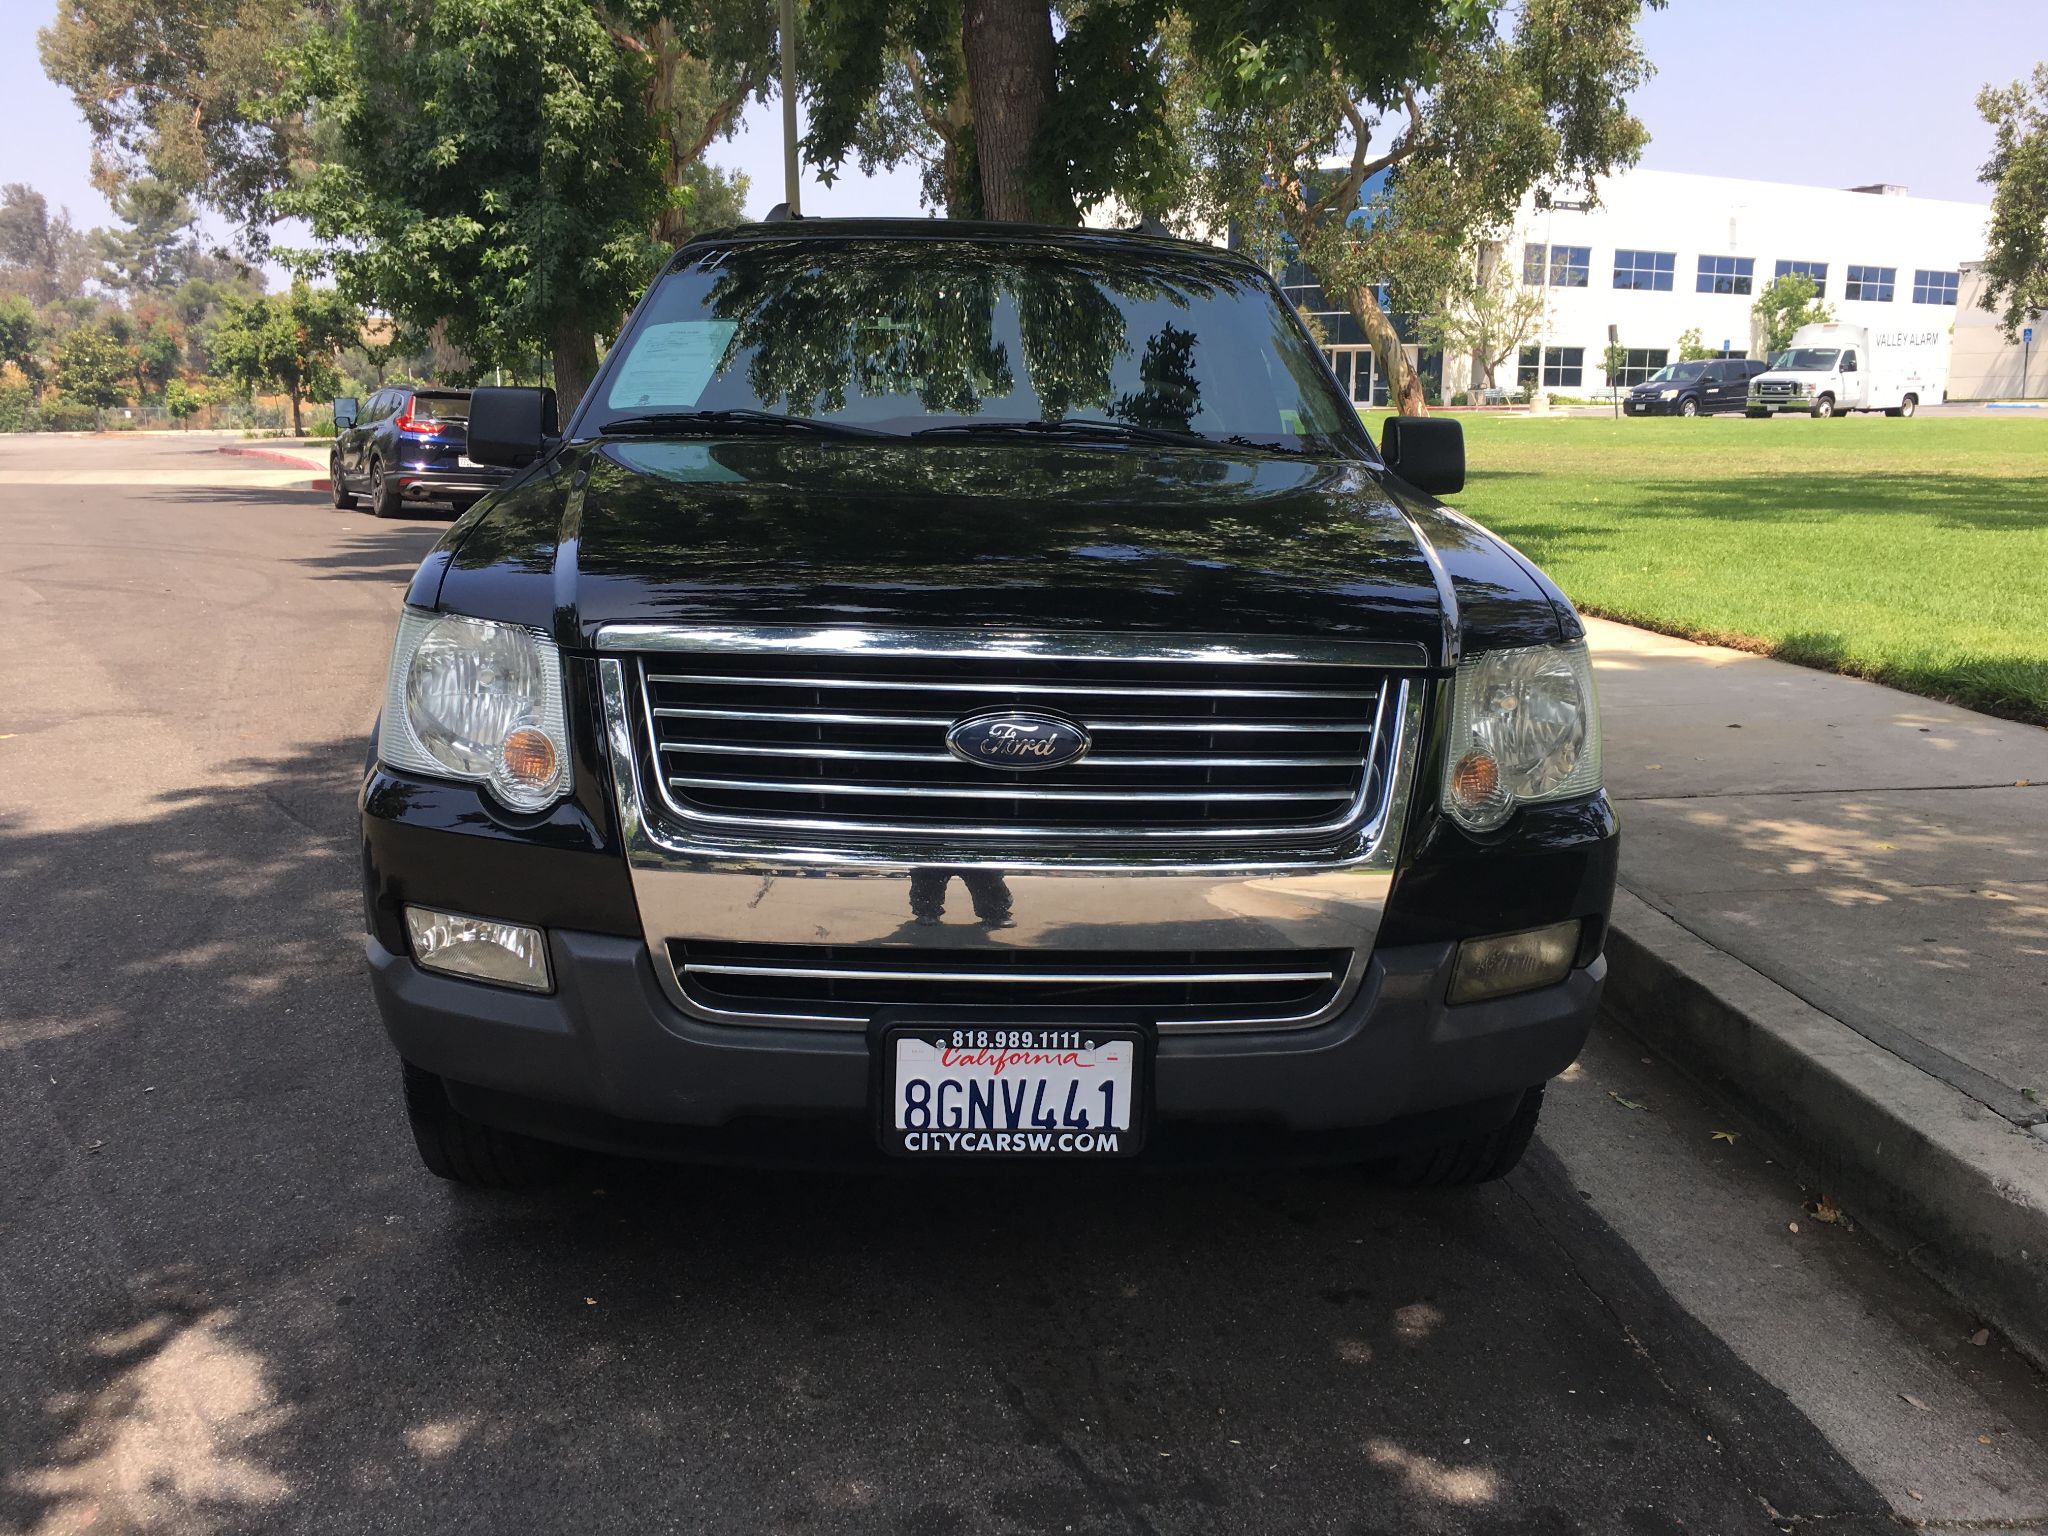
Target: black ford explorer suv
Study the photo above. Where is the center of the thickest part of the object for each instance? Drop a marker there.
(973, 692)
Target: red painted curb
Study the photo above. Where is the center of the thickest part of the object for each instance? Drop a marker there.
(296, 462)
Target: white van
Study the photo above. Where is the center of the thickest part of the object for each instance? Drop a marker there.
(1833, 369)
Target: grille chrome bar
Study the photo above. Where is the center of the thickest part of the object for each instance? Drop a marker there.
(1083, 978)
(1017, 792)
(869, 686)
(811, 717)
(1097, 760)
(844, 987)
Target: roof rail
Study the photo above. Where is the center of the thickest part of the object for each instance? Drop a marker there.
(781, 213)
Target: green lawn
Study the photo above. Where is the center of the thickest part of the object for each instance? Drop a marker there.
(1914, 552)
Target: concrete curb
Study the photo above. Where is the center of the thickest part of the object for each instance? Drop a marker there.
(1960, 1191)
(279, 456)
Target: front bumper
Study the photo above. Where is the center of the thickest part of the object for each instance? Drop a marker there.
(608, 1061)
(1635, 407)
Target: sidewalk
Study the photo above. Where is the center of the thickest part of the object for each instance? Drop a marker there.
(1836, 899)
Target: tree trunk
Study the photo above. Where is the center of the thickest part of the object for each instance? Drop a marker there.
(575, 350)
(1404, 386)
(296, 424)
(1008, 45)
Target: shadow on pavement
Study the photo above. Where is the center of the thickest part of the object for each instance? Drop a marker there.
(246, 1308)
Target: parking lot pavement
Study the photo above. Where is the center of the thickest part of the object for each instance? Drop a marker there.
(234, 1302)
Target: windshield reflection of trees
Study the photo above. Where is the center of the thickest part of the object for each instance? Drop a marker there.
(921, 321)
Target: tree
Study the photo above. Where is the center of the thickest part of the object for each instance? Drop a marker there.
(21, 337)
(92, 369)
(184, 91)
(1488, 313)
(1691, 348)
(1297, 150)
(285, 341)
(2016, 252)
(1013, 117)
(41, 255)
(1786, 304)
(183, 401)
(155, 250)
(515, 172)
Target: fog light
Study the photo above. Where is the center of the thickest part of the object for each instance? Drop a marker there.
(1513, 962)
(480, 950)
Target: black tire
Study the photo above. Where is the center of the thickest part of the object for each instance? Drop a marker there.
(1757, 415)
(1688, 406)
(1907, 406)
(1823, 408)
(465, 1151)
(384, 498)
(1474, 1160)
(343, 501)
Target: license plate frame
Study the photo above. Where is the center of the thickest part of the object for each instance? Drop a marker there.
(997, 1142)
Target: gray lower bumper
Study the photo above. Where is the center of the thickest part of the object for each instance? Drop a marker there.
(610, 1041)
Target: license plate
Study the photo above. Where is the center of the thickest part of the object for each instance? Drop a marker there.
(1050, 1092)
(466, 462)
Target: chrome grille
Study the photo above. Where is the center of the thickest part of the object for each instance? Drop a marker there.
(1189, 746)
(847, 985)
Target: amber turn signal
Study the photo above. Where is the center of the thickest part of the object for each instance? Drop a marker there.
(1475, 779)
(529, 756)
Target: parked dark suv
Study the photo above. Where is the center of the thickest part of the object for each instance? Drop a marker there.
(965, 693)
(407, 445)
(1696, 388)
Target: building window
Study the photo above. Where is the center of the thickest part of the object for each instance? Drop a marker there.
(1638, 363)
(1726, 274)
(1871, 284)
(1817, 270)
(1645, 269)
(1561, 366)
(1934, 287)
(1569, 266)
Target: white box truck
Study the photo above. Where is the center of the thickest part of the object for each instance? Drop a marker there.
(1833, 369)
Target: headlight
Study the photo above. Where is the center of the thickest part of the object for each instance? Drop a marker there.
(1525, 728)
(472, 699)
(1667, 394)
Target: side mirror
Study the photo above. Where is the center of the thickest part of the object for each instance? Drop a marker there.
(511, 427)
(1426, 451)
(346, 409)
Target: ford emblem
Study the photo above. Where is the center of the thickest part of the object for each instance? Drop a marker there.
(1017, 738)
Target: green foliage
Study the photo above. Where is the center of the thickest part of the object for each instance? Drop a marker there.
(1487, 104)
(183, 400)
(92, 368)
(21, 336)
(1690, 347)
(887, 82)
(1486, 312)
(1786, 304)
(177, 89)
(500, 168)
(2016, 252)
(18, 405)
(42, 255)
(154, 250)
(1612, 361)
(285, 341)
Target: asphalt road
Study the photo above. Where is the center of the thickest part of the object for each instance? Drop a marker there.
(234, 1302)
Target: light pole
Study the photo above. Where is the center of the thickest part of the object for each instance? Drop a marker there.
(1539, 396)
(791, 193)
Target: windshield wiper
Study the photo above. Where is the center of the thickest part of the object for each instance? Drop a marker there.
(1070, 427)
(730, 420)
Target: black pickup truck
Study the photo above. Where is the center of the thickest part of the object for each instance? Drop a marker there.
(960, 692)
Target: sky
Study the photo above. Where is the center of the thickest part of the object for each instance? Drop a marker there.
(1838, 94)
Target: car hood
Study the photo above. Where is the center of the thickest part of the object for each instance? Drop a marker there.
(1025, 536)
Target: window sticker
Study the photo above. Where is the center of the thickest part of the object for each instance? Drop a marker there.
(670, 364)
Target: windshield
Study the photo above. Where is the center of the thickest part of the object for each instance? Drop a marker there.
(1807, 359)
(1677, 373)
(904, 336)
